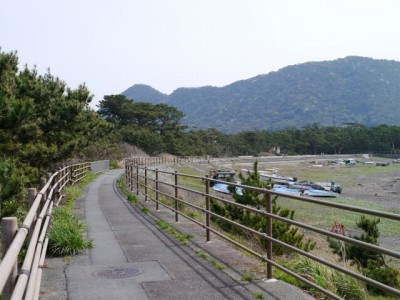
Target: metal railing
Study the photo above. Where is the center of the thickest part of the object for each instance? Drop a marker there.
(172, 189)
(15, 282)
(155, 161)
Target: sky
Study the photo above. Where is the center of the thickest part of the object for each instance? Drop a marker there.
(167, 44)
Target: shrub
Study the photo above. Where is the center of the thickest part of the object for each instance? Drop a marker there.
(113, 164)
(382, 273)
(372, 263)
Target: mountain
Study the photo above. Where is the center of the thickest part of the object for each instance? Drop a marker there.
(348, 90)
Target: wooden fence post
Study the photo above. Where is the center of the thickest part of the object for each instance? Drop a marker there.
(9, 229)
(43, 182)
(31, 198)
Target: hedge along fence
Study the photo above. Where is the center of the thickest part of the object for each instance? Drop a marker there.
(15, 283)
(170, 186)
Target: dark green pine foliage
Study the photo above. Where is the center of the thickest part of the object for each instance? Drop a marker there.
(155, 128)
(42, 123)
(372, 264)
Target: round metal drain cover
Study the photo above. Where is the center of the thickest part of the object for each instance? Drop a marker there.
(118, 273)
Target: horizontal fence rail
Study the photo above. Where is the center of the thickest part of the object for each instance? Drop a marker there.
(177, 191)
(24, 282)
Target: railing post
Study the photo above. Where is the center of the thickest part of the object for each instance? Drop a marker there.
(8, 230)
(127, 176)
(68, 171)
(131, 176)
(207, 208)
(176, 197)
(269, 233)
(31, 198)
(137, 180)
(42, 184)
(157, 208)
(145, 183)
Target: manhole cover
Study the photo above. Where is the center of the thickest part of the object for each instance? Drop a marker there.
(118, 273)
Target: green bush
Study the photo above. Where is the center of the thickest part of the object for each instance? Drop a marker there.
(372, 263)
(132, 199)
(113, 164)
(382, 273)
(66, 234)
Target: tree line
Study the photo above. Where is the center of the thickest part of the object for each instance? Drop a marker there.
(44, 123)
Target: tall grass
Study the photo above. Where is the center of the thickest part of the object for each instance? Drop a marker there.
(338, 283)
(67, 231)
(66, 234)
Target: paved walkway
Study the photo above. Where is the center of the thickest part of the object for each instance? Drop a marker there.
(133, 259)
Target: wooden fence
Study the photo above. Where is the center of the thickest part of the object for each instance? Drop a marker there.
(24, 281)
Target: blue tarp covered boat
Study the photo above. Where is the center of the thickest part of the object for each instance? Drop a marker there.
(223, 188)
(319, 193)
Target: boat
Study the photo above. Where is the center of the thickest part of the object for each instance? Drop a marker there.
(276, 178)
(285, 190)
(305, 185)
(224, 188)
(221, 187)
(320, 193)
(330, 186)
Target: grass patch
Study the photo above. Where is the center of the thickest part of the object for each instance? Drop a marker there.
(114, 164)
(161, 224)
(178, 236)
(257, 295)
(193, 214)
(203, 255)
(66, 234)
(340, 284)
(122, 186)
(74, 191)
(183, 237)
(247, 276)
(323, 216)
(206, 257)
(145, 210)
(88, 178)
(132, 199)
(188, 182)
(217, 265)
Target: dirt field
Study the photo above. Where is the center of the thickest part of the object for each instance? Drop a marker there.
(367, 186)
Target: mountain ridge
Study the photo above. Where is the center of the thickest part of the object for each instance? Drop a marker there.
(329, 93)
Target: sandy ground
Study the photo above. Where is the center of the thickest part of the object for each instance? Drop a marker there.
(382, 188)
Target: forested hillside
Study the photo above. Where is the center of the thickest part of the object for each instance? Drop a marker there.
(44, 124)
(330, 93)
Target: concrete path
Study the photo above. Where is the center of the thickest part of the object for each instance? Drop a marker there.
(133, 259)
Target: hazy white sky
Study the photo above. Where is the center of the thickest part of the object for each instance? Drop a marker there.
(111, 45)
